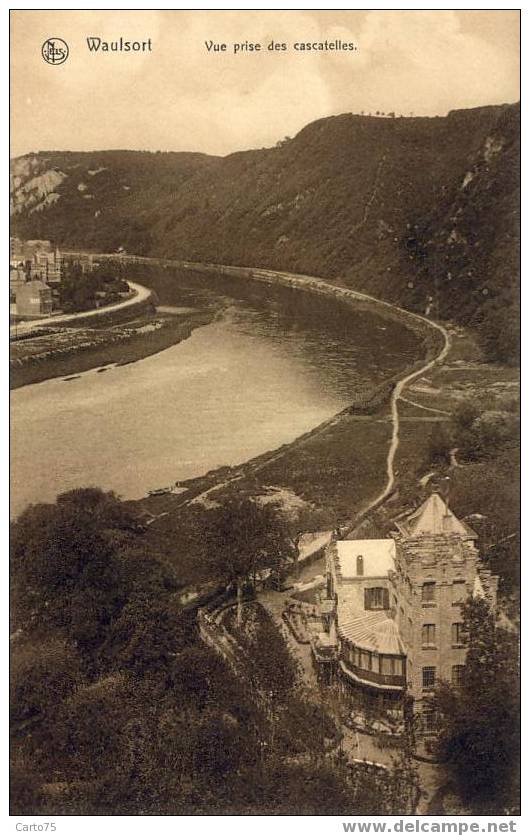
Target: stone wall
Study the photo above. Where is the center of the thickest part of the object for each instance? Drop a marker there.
(452, 564)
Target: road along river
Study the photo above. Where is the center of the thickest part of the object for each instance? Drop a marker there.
(438, 351)
(264, 372)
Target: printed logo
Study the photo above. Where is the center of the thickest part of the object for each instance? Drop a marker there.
(55, 51)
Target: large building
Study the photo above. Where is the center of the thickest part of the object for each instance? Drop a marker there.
(391, 614)
(34, 299)
(39, 258)
(84, 261)
(17, 277)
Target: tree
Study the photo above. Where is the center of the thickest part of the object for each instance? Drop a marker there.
(439, 444)
(64, 567)
(40, 677)
(243, 538)
(479, 721)
(480, 435)
(269, 666)
(143, 638)
(500, 332)
(465, 414)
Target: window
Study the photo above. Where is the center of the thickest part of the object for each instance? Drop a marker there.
(428, 717)
(391, 665)
(360, 566)
(428, 634)
(427, 592)
(459, 592)
(457, 675)
(457, 634)
(428, 677)
(376, 598)
(365, 661)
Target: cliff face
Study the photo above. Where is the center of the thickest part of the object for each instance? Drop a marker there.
(416, 210)
(98, 200)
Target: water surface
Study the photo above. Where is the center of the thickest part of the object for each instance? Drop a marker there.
(260, 375)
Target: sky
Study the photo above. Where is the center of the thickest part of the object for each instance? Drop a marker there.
(180, 97)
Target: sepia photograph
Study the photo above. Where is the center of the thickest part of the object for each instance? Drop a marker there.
(264, 400)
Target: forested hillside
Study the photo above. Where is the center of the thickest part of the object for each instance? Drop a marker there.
(423, 211)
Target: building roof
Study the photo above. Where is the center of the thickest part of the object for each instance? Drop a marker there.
(39, 243)
(378, 557)
(433, 518)
(36, 284)
(375, 632)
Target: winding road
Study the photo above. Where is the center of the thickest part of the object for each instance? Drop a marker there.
(396, 394)
(140, 292)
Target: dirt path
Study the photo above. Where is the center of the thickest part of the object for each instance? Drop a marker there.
(372, 196)
(426, 408)
(396, 394)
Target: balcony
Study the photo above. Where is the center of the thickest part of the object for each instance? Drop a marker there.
(324, 648)
(370, 677)
(327, 606)
(324, 654)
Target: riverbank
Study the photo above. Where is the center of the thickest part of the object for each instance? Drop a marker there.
(357, 452)
(373, 452)
(430, 331)
(331, 473)
(58, 352)
(331, 493)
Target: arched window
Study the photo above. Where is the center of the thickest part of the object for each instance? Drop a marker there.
(360, 566)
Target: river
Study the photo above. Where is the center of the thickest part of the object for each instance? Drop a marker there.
(265, 371)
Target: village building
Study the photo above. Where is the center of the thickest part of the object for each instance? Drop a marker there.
(391, 615)
(17, 277)
(40, 259)
(48, 266)
(15, 251)
(33, 299)
(22, 251)
(84, 261)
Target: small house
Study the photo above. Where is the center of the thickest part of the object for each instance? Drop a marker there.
(34, 299)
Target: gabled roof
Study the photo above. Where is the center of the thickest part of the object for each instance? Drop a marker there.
(378, 557)
(375, 632)
(434, 518)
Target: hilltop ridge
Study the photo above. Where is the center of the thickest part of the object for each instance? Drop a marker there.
(420, 211)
